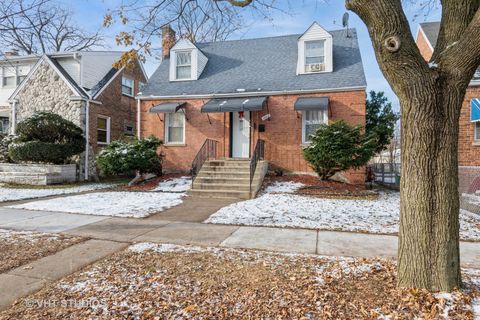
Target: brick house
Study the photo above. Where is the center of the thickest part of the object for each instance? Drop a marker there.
(84, 88)
(277, 90)
(469, 135)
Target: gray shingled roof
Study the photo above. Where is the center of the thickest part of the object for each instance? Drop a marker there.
(266, 63)
(431, 30)
(110, 74)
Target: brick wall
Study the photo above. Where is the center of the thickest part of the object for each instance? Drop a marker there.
(468, 149)
(120, 108)
(282, 132)
(423, 45)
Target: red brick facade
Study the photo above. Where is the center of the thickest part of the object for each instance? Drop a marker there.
(120, 108)
(282, 135)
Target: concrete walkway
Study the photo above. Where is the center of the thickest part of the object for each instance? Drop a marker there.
(178, 225)
(22, 281)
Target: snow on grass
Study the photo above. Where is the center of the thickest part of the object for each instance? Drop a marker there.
(12, 194)
(8, 236)
(283, 187)
(285, 210)
(181, 184)
(119, 204)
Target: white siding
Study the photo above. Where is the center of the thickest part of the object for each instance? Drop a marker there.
(202, 62)
(20, 68)
(95, 65)
(315, 32)
(71, 66)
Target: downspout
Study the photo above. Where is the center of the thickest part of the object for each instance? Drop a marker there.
(14, 117)
(87, 136)
(139, 134)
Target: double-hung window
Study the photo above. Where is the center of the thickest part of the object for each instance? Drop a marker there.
(127, 86)
(311, 121)
(315, 56)
(175, 128)
(9, 77)
(103, 130)
(183, 65)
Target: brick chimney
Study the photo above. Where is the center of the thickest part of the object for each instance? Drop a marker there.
(168, 41)
(11, 53)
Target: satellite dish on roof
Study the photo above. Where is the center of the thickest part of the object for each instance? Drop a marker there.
(345, 20)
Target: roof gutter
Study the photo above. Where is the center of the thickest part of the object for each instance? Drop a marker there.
(251, 94)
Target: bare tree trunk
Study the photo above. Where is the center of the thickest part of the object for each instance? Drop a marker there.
(428, 255)
(431, 96)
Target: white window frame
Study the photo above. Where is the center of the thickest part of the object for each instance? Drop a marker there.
(185, 65)
(167, 125)
(476, 132)
(304, 119)
(108, 129)
(131, 88)
(324, 56)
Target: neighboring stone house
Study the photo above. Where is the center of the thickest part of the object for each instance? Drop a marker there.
(85, 89)
(276, 89)
(469, 138)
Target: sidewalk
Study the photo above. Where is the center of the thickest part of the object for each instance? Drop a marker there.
(109, 235)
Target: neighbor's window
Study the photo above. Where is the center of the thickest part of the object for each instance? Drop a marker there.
(9, 77)
(477, 131)
(103, 130)
(22, 72)
(4, 125)
(175, 127)
(127, 86)
(184, 65)
(311, 121)
(315, 56)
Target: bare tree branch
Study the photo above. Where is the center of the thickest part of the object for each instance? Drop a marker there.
(44, 28)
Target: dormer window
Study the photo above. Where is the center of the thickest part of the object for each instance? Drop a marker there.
(315, 56)
(184, 65)
(315, 51)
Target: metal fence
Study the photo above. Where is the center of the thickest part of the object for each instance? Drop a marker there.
(386, 174)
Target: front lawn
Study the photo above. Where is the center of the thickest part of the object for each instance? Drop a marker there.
(118, 204)
(22, 192)
(280, 207)
(151, 281)
(20, 247)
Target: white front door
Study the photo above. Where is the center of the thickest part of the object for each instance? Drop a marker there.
(241, 135)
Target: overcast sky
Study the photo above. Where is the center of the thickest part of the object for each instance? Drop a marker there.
(327, 13)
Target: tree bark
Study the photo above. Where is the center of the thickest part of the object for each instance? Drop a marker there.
(431, 97)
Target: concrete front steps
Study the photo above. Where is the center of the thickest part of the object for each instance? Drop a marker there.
(228, 178)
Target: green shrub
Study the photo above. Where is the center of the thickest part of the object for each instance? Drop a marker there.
(122, 157)
(338, 147)
(5, 141)
(46, 137)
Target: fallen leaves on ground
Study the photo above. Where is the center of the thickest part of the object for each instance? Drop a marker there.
(175, 282)
(20, 247)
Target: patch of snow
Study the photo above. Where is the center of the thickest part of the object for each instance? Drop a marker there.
(11, 235)
(283, 187)
(165, 247)
(285, 210)
(433, 64)
(12, 194)
(119, 204)
(181, 184)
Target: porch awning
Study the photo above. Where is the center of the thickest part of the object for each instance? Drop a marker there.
(167, 107)
(234, 104)
(311, 103)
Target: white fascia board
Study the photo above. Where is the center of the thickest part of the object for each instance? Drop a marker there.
(420, 31)
(251, 94)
